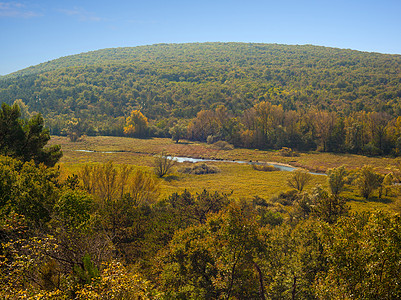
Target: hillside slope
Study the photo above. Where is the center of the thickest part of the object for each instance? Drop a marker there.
(179, 80)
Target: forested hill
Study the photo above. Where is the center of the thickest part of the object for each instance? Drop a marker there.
(224, 54)
(179, 80)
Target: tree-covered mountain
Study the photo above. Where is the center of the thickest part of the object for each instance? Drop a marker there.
(179, 80)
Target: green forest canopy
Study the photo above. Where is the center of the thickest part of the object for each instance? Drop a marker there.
(181, 79)
(357, 94)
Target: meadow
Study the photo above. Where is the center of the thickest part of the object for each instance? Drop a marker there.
(241, 181)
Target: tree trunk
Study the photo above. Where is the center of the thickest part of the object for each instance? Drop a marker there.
(261, 286)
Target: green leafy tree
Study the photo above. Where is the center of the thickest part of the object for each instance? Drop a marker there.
(26, 140)
(178, 131)
(363, 258)
(218, 259)
(292, 258)
(194, 209)
(388, 183)
(74, 129)
(12, 133)
(337, 179)
(368, 181)
(73, 208)
(37, 193)
(327, 207)
(8, 178)
(24, 109)
(28, 189)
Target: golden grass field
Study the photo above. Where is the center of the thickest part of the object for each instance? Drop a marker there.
(239, 179)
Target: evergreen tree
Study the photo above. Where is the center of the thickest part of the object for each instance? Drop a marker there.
(26, 140)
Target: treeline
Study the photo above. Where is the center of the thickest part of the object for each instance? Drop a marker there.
(105, 234)
(268, 126)
(179, 80)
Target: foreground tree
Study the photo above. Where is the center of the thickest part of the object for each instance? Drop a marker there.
(26, 139)
(363, 258)
(27, 189)
(215, 260)
(328, 208)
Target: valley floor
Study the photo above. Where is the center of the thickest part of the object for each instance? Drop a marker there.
(239, 179)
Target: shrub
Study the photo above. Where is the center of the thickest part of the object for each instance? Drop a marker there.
(288, 152)
(337, 179)
(272, 218)
(200, 169)
(286, 198)
(264, 168)
(368, 181)
(298, 179)
(163, 164)
(223, 145)
(211, 139)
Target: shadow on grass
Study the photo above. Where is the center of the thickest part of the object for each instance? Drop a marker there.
(170, 178)
(184, 143)
(384, 200)
(375, 199)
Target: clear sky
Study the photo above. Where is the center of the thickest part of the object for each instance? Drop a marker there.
(35, 31)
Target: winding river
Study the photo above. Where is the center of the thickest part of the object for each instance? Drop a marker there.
(181, 159)
(281, 167)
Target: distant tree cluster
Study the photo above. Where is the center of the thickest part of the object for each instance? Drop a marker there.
(269, 126)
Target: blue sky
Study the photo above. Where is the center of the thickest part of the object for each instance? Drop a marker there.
(32, 32)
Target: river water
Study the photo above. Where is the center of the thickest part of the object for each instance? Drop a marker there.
(182, 159)
(281, 167)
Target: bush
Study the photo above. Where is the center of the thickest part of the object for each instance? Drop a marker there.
(200, 169)
(163, 164)
(272, 218)
(288, 152)
(265, 168)
(211, 139)
(368, 181)
(223, 145)
(286, 198)
(298, 179)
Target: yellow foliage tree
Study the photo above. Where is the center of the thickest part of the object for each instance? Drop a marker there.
(136, 125)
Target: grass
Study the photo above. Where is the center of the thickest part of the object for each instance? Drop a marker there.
(240, 180)
(136, 150)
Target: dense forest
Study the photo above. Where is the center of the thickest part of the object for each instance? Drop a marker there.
(310, 85)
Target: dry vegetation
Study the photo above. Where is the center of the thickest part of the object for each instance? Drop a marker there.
(239, 179)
